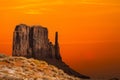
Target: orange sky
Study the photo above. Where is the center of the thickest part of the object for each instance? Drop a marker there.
(89, 30)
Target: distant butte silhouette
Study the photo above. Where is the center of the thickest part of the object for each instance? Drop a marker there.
(33, 42)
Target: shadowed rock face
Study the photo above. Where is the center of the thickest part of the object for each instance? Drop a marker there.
(21, 40)
(33, 42)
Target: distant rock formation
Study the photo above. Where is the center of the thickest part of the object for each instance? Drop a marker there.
(33, 42)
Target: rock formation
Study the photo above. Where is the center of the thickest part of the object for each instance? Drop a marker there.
(21, 40)
(57, 49)
(33, 42)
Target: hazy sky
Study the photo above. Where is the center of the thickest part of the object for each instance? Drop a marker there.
(89, 30)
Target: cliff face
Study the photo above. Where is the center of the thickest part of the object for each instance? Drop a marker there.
(33, 42)
(21, 40)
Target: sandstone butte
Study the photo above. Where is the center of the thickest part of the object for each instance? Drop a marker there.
(33, 42)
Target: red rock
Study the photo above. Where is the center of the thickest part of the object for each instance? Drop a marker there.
(33, 42)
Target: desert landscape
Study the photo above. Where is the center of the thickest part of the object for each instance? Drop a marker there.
(79, 39)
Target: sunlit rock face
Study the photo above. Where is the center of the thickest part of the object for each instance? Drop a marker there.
(21, 68)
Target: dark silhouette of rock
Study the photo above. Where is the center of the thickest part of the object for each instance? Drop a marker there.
(21, 40)
(57, 49)
(33, 42)
(114, 79)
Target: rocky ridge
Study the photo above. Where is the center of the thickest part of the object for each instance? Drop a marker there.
(21, 68)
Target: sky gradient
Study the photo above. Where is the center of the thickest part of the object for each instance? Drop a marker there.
(89, 30)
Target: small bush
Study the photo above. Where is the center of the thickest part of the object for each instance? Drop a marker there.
(2, 55)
